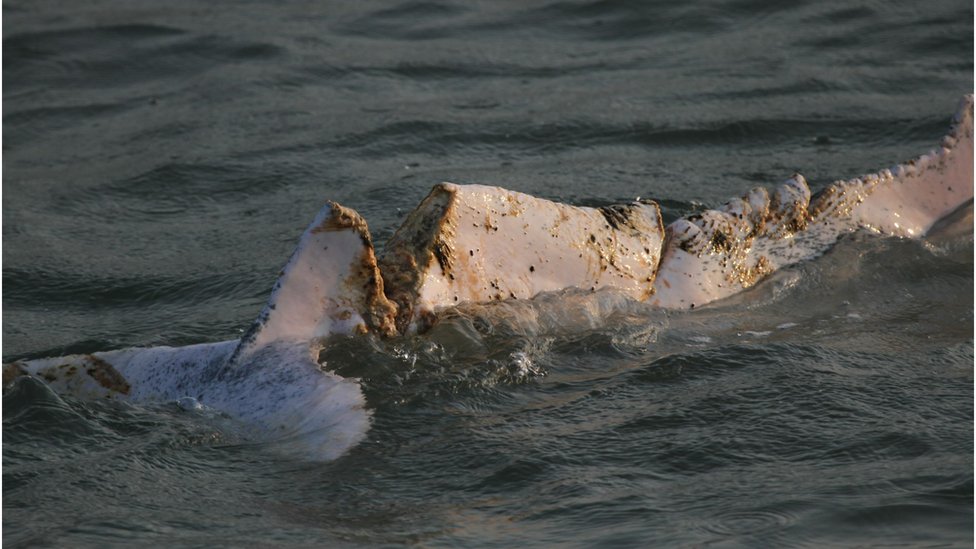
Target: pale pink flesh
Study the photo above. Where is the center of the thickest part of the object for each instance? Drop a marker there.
(479, 243)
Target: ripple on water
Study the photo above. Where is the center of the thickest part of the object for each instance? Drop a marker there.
(750, 523)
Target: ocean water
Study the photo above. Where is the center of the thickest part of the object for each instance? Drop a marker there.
(160, 160)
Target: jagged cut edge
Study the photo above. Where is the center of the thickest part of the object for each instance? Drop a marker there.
(477, 243)
(331, 285)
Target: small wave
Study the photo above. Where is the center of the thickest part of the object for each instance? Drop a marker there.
(118, 56)
(67, 427)
(93, 291)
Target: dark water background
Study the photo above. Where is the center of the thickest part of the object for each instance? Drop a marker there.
(160, 160)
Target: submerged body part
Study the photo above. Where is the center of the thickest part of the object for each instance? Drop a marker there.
(474, 243)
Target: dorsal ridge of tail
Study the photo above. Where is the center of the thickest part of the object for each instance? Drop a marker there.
(716, 253)
(907, 199)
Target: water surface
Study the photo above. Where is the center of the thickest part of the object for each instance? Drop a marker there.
(161, 159)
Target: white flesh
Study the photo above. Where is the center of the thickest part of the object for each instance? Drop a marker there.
(476, 244)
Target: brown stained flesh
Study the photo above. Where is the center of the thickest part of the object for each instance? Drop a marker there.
(424, 237)
(342, 218)
(729, 236)
(12, 371)
(106, 375)
(620, 219)
(721, 242)
(618, 216)
(747, 276)
(378, 312)
(789, 213)
(839, 200)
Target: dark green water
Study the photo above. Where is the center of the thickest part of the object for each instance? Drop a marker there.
(160, 160)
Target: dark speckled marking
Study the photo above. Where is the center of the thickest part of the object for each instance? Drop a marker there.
(618, 215)
(443, 255)
(721, 242)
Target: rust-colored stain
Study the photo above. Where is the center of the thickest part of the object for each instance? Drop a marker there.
(365, 279)
(12, 371)
(426, 236)
(342, 218)
(747, 276)
(379, 312)
(106, 375)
